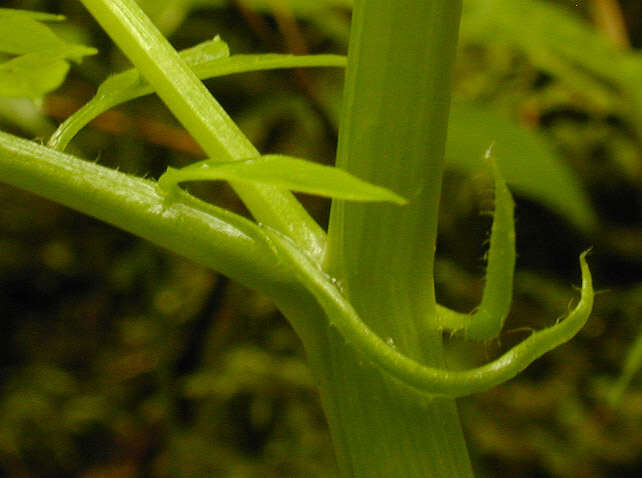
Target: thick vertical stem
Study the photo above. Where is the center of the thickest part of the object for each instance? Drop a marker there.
(392, 133)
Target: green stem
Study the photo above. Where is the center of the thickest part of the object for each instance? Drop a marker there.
(202, 116)
(393, 133)
(204, 233)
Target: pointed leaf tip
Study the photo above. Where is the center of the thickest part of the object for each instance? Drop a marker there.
(287, 172)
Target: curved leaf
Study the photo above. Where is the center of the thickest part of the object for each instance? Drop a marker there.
(487, 321)
(208, 60)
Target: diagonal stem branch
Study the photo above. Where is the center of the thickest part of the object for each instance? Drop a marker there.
(204, 233)
(202, 116)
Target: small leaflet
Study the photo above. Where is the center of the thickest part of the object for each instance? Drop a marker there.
(36, 60)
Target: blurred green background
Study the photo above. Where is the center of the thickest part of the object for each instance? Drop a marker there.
(121, 360)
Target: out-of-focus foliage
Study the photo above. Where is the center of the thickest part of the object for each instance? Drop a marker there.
(33, 60)
(119, 360)
(530, 165)
(632, 365)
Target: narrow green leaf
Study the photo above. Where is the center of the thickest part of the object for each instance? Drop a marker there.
(126, 86)
(266, 61)
(208, 60)
(487, 321)
(286, 172)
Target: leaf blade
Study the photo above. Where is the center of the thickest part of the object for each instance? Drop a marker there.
(286, 172)
(31, 75)
(488, 320)
(38, 58)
